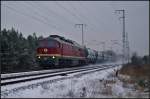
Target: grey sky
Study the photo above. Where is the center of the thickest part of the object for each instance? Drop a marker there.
(102, 24)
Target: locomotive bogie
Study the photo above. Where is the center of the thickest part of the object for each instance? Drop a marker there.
(54, 61)
(49, 61)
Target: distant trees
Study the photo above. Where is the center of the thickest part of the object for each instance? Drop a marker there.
(146, 59)
(17, 52)
(135, 59)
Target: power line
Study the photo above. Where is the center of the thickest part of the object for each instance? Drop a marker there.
(112, 6)
(69, 11)
(81, 15)
(54, 13)
(42, 16)
(97, 20)
(74, 16)
(33, 17)
(85, 8)
(46, 19)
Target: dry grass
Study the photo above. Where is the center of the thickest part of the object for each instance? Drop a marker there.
(138, 74)
(136, 70)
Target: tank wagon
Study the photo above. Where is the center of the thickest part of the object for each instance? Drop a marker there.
(91, 55)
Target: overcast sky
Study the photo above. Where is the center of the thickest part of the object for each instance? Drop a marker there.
(102, 23)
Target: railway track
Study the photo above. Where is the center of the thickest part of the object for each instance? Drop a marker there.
(7, 79)
(32, 73)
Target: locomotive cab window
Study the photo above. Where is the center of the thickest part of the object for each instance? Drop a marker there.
(48, 43)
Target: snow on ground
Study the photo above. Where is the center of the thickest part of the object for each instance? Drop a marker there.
(100, 84)
(46, 71)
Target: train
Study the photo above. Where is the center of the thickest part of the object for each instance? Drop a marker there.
(57, 51)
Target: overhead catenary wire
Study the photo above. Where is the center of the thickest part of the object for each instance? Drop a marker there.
(69, 11)
(100, 22)
(85, 10)
(97, 20)
(67, 30)
(44, 7)
(36, 17)
(74, 15)
(54, 13)
(38, 14)
(33, 17)
(84, 17)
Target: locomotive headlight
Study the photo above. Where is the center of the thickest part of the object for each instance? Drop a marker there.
(53, 57)
(39, 57)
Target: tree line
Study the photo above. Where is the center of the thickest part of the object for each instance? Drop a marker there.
(17, 52)
(138, 60)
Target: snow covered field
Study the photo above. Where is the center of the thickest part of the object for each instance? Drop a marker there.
(100, 84)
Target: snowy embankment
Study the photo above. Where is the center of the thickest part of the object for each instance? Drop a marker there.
(99, 84)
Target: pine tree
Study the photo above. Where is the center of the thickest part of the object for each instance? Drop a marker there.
(17, 52)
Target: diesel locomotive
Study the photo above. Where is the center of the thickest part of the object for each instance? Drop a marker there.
(56, 51)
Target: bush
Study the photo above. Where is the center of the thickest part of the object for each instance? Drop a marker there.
(145, 59)
(135, 59)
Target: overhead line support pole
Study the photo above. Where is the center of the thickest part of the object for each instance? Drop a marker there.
(123, 33)
(82, 32)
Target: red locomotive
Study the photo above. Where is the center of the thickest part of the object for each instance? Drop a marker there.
(57, 51)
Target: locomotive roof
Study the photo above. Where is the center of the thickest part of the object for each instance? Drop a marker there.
(64, 40)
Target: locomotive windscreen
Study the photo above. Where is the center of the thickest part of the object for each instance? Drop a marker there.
(48, 43)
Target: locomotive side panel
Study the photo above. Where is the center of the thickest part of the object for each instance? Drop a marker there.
(72, 55)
